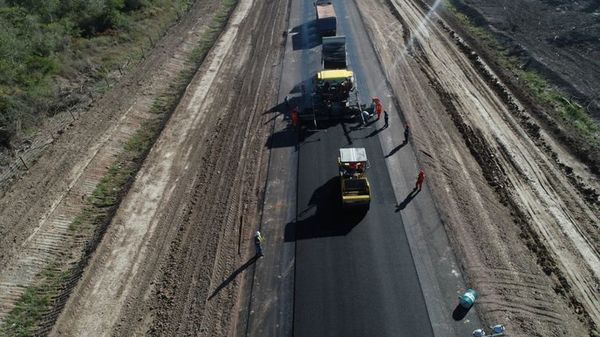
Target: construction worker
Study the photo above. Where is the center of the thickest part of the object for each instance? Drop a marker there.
(258, 244)
(406, 133)
(377, 106)
(386, 120)
(295, 118)
(420, 180)
(365, 117)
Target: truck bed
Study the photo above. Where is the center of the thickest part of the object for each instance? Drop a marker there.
(326, 19)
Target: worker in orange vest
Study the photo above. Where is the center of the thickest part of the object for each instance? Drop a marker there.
(294, 116)
(420, 180)
(378, 106)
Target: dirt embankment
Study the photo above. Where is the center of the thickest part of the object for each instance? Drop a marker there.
(38, 212)
(171, 262)
(571, 67)
(560, 39)
(523, 232)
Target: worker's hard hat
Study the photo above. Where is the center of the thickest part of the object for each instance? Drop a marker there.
(478, 333)
(257, 233)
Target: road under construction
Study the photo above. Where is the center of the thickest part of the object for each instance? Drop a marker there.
(353, 271)
(501, 211)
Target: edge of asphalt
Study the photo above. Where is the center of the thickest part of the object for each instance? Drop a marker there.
(270, 308)
(438, 272)
(440, 276)
(271, 304)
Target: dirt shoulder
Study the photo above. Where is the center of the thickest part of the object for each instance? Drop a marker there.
(172, 256)
(38, 211)
(507, 206)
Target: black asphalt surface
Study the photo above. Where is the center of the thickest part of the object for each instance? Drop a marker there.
(354, 273)
(330, 272)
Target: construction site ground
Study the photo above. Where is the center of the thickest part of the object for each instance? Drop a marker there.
(558, 39)
(176, 258)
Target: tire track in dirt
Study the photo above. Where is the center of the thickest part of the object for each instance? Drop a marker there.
(499, 177)
(169, 281)
(140, 213)
(187, 309)
(63, 183)
(542, 180)
(428, 78)
(193, 309)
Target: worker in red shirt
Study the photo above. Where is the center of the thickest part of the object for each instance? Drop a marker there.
(378, 106)
(420, 180)
(294, 116)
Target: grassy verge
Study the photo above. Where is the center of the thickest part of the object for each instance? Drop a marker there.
(57, 53)
(54, 284)
(33, 304)
(569, 113)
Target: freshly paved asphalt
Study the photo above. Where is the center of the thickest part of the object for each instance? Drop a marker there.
(330, 272)
(354, 271)
(355, 275)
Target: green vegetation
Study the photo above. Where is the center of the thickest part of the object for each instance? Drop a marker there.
(44, 43)
(37, 300)
(570, 113)
(34, 303)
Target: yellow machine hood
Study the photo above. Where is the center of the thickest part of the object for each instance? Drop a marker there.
(329, 75)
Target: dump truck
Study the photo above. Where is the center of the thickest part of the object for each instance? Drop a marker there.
(355, 188)
(334, 96)
(326, 20)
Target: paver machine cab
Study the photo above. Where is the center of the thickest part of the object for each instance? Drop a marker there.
(355, 188)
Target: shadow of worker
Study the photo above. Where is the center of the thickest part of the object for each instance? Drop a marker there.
(396, 149)
(234, 275)
(407, 200)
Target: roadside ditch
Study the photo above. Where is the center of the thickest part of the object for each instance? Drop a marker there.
(38, 305)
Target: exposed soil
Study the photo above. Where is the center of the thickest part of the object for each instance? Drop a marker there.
(557, 38)
(167, 266)
(521, 222)
(527, 239)
(37, 211)
(571, 68)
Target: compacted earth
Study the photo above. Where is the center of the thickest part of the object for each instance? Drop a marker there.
(557, 38)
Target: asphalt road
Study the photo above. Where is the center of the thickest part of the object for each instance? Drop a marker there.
(355, 275)
(354, 270)
(328, 272)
